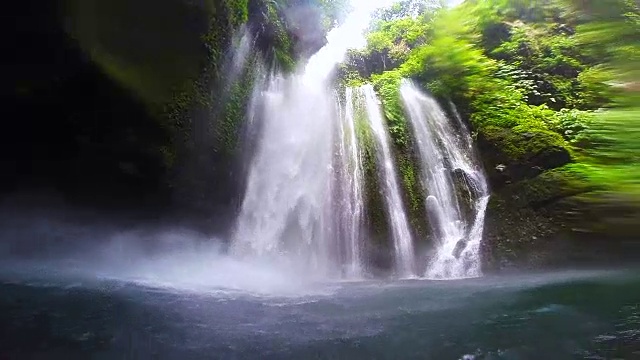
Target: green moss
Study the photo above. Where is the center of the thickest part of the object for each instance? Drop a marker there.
(522, 143)
(410, 179)
(414, 194)
(387, 85)
(281, 43)
(350, 78)
(374, 202)
(238, 11)
(235, 104)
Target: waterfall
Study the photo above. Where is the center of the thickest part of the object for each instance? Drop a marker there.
(456, 188)
(303, 199)
(243, 46)
(304, 194)
(286, 203)
(400, 233)
(350, 187)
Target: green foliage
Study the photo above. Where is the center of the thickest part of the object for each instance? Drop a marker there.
(448, 73)
(499, 104)
(613, 154)
(406, 9)
(593, 90)
(452, 70)
(610, 32)
(233, 113)
(547, 59)
(333, 12)
(572, 124)
(508, 64)
(550, 90)
(283, 48)
(523, 142)
(407, 31)
(238, 11)
(387, 85)
(393, 33)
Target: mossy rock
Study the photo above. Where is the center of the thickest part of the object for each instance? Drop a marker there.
(546, 188)
(511, 155)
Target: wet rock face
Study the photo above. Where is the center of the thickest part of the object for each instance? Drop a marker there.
(114, 98)
(465, 192)
(379, 260)
(557, 219)
(305, 26)
(527, 223)
(520, 236)
(460, 246)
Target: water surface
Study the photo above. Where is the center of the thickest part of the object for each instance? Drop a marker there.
(560, 315)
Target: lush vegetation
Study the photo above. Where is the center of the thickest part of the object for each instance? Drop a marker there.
(549, 87)
(537, 68)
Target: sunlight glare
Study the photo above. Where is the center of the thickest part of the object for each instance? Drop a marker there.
(349, 35)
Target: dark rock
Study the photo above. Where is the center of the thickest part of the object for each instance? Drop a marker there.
(466, 191)
(460, 246)
(556, 219)
(305, 25)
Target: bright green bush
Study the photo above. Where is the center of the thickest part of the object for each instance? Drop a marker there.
(387, 85)
(530, 76)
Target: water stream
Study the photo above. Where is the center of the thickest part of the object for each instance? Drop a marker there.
(350, 190)
(454, 184)
(400, 232)
(304, 198)
(303, 201)
(286, 204)
(72, 287)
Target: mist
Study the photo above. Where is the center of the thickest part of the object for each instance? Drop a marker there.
(54, 242)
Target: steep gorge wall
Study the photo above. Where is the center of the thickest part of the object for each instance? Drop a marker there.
(128, 103)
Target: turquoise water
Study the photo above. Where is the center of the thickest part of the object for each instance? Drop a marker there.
(559, 315)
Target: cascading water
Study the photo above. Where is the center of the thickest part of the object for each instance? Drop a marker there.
(401, 235)
(288, 210)
(243, 44)
(304, 193)
(284, 211)
(454, 182)
(350, 191)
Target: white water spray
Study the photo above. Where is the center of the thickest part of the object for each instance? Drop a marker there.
(454, 182)
(285, 204)
(304, 197)
(350, 191)
(288, 211)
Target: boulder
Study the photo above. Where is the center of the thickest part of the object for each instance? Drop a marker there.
(460, 246)
(514, 154)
